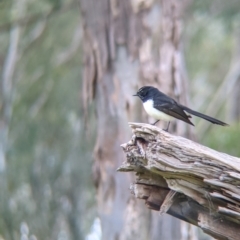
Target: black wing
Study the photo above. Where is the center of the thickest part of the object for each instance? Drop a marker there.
(171, 108)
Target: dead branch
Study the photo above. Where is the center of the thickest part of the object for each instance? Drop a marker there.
(185, 179)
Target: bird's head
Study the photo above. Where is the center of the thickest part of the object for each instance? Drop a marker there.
(145, 93)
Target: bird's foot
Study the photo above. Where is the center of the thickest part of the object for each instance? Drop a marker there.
(155, 122)
(166, 130)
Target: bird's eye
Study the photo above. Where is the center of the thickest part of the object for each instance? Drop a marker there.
(143, 93)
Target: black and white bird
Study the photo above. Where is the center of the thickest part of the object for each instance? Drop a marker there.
(161, 107)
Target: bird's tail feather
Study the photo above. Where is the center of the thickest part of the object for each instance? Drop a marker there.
(208, 118)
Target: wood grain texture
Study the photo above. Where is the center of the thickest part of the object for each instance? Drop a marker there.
(185, 179)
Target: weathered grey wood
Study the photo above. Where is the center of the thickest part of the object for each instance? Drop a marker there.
(185, 179)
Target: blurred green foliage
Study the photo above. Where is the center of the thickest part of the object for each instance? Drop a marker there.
(5, 9)
(47, 184)
(211, 39)
(225, 140)
(46, 188)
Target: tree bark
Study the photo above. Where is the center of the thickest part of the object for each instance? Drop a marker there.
(123, 41)
(112, 36)
(185, 179)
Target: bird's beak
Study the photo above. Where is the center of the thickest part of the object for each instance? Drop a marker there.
(135, 95)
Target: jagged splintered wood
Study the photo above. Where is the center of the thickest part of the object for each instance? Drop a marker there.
(185, 179)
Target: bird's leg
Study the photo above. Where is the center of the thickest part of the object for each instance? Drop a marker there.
(155, 122)
(167, 127)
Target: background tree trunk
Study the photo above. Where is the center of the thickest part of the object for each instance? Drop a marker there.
(112, 34)
(235, 96)
(172, 80)
(123, 42)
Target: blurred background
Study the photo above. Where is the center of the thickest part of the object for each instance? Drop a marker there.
(46, 155)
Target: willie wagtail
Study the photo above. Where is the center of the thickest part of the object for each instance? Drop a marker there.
(161, 107)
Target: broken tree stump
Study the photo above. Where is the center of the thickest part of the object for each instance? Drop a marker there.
(189, 181)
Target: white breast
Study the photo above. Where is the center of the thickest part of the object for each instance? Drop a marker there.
(153, 112)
